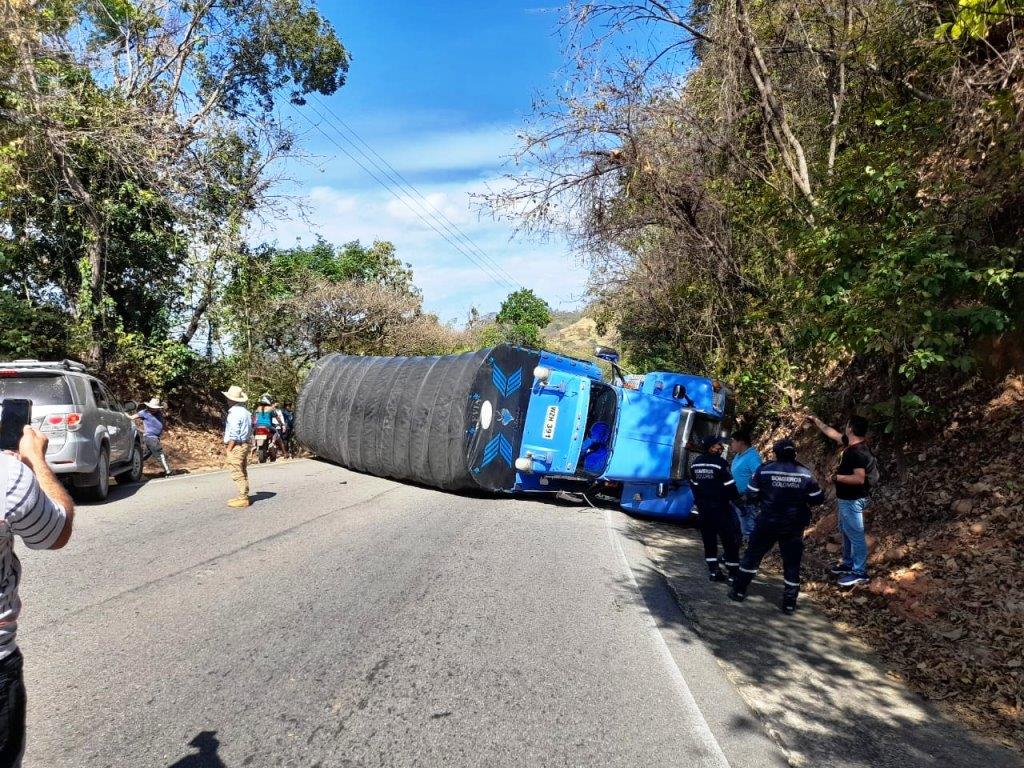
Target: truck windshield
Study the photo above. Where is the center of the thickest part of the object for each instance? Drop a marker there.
(702, 426)
(597, 439)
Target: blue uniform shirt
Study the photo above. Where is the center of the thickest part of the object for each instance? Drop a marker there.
(786, 491)
(743, 467)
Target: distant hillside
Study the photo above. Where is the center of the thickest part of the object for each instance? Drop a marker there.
(575, 334)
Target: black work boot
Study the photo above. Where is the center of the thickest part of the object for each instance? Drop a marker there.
(733, 573)
(716, 573)
(789, 595)
(739, 586)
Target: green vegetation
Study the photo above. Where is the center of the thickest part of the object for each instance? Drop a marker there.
(834, 186)
(286, 308)
(520, 320)
(137, 141)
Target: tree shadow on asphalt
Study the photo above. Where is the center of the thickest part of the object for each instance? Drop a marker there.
(828, 700)
(207, 744)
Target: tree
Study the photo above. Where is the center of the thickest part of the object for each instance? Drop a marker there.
(148, 93)
(285, 308)
(520, 320)
(777, 192)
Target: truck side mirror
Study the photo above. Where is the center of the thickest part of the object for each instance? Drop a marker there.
(679, 393)
(607, 353)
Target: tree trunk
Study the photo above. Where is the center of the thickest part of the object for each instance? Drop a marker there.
(96, 253)
(790, 148)
(898, 389)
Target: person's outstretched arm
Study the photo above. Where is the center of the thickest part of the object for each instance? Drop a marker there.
(825, 429)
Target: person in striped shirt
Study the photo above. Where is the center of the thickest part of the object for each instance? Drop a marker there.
(38, 509)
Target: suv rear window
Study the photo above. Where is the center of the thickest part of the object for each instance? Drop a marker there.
(40, 388)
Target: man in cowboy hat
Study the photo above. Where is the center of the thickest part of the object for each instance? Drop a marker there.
(152, 418)
(237, 435)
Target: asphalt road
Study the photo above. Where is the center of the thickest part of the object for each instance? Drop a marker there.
(345, 620)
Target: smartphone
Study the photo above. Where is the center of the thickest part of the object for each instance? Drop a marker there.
(16, 414)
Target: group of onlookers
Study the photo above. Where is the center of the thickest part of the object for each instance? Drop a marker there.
(238, 433)
(747, 504)
(38, 509)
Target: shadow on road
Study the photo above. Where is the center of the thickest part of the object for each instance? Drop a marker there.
(207, 743)
(262, 496)
(828, 699)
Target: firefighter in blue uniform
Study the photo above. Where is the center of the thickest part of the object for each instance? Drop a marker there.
(786, 490)
(714, 491)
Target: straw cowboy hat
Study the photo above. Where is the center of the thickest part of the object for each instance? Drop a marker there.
(154, 404)
(235, 394)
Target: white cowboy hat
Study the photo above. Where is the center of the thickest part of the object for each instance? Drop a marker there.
(235, 394)
(154, 404)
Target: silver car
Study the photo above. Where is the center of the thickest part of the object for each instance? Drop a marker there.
(92, 436)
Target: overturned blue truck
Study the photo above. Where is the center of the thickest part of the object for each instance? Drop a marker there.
(514, 420)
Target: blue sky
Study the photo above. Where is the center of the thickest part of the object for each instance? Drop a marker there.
(439, 90)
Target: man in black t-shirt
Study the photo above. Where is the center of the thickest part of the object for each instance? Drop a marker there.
(852, 490)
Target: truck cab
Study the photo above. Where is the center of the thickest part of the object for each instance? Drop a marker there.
(575, 430)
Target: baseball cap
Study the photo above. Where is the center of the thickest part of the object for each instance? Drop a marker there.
(711, 440)
(784, 449)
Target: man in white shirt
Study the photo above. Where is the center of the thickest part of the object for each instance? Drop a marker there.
(37, 508)
(237, 435)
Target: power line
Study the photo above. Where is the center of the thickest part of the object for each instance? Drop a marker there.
(437, 217)
(396, 176)
(491, 274)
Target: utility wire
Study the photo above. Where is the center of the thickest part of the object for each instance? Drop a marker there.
(497, 279)
(396, 176)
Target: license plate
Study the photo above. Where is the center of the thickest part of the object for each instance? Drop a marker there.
(550, 419)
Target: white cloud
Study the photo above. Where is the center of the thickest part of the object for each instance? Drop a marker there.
(344, 204)
(450, 280)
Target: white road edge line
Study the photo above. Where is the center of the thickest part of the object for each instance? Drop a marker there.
(707, 737)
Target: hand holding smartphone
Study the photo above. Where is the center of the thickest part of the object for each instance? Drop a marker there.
(15, 416)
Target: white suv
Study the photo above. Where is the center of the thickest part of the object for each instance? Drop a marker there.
(92, 436)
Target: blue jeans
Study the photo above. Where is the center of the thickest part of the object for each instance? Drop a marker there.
(746, 514)
(851, 526)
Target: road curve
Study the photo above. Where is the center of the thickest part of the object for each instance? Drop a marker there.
(346, 620)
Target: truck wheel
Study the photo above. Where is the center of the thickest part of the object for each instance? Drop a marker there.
(133, 473)
(101, 489)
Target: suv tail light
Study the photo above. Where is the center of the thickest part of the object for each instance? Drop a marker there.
(74, 421)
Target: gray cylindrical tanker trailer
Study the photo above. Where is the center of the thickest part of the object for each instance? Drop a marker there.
(415, 418)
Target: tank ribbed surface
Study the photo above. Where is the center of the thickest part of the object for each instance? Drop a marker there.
(398, 417)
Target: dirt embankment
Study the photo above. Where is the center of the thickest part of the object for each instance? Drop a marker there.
(945, 605)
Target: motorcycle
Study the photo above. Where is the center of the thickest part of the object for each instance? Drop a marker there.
(265, 445)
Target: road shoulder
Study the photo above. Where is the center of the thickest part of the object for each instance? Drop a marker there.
(822, 695)
(731, 727)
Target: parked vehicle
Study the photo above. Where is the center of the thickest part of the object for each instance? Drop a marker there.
(92, 436)
(264, 444)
